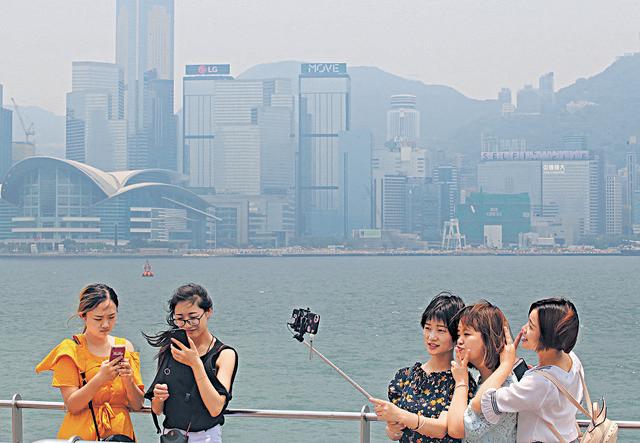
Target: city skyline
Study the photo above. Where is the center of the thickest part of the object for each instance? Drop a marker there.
(36, 70)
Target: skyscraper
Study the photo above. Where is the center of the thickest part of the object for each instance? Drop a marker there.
(632, 186)
(546, 92)
(355, 180)
(566, 186)
(95, 125)
(324, 111)
(238, 134)
(528, 100)
(447, 177)
(144, 50)
(504, 102)
(614, 185)
(6, 136)
(504, 96)
(403, 120)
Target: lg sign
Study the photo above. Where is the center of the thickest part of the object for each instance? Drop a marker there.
(324, 68)
(208, 69)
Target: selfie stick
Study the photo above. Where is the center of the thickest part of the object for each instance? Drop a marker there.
(338, 370)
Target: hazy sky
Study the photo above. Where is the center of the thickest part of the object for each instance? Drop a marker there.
(475, 46)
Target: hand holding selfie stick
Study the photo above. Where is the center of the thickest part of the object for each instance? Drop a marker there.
(303, 320)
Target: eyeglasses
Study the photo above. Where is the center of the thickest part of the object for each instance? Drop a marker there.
(193, 321)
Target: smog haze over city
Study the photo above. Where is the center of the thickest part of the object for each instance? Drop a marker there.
(414, 125)
(476, 47)
(352, 157)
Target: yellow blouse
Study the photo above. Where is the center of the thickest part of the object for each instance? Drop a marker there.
(66, 361)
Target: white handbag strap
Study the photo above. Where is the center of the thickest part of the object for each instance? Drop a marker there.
(570, 397)
(554, 431)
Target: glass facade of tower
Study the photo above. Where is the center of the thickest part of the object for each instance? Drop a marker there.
(238, 134)
(95, 124)
(324, 111)
(145, 51)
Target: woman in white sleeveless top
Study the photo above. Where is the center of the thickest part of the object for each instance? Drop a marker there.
(552, 331)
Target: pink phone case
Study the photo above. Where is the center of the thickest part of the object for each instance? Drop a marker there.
(116, 351)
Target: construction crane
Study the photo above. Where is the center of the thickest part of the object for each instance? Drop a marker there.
(27, 131)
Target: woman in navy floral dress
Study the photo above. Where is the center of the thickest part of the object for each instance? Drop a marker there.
(420, 394)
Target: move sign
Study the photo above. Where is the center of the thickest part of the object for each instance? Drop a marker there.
(327, 69)
(208, 69)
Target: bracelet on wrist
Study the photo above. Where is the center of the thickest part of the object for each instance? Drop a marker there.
(418, 425)
(462, 384)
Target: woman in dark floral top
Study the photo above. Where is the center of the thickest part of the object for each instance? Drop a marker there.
(420, 395)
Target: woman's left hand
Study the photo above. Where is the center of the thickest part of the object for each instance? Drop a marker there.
(125, 371)
(387, 411)
(508, 355)
(186, 355)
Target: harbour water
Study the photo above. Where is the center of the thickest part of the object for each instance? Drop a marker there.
(370, 309)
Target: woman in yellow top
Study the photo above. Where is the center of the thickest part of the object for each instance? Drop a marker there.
(114, 387)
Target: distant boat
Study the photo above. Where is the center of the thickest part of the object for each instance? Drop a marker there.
(147, 272)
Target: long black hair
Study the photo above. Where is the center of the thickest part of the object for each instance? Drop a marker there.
(190, 292)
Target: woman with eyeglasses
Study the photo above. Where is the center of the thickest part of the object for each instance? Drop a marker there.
(193, 385)
(98, 390)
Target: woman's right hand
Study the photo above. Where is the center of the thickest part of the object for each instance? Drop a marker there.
(459, 367)
(108, 370)
(161, 392)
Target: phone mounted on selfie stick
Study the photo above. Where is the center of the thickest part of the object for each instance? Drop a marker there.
(303, 321)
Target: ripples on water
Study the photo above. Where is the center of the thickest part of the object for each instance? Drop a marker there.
(370, 308)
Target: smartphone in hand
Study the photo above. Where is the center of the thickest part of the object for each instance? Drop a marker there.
(520, 368)
(181, 336)
(116, 351)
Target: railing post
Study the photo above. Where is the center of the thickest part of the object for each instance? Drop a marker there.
(365, 427)
(16, 420)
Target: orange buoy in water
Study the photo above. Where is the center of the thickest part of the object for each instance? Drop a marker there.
(147, 272)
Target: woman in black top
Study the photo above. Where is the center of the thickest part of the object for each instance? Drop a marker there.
(193, 385)
(419, 395)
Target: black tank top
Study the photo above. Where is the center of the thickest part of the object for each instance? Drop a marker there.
(184, 409)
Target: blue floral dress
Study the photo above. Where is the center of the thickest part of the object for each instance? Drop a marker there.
(413, 390)
(478, 430)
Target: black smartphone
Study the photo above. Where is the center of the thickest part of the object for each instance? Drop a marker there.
(181, 336)
(520, 368)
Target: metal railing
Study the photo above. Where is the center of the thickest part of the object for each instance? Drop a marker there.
(364, 417)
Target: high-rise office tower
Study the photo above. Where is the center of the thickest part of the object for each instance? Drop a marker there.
(546, 92)
(238, 135)
(528, 100)
(403, 120)
(6, 136)
(613, 196)
(505, 102)
(355, 182)
(504, 96)
(632, 186)
(324, 111)
(95, 125)
(566, 186)
(447, 177)
(144, 50)
(399, 182)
